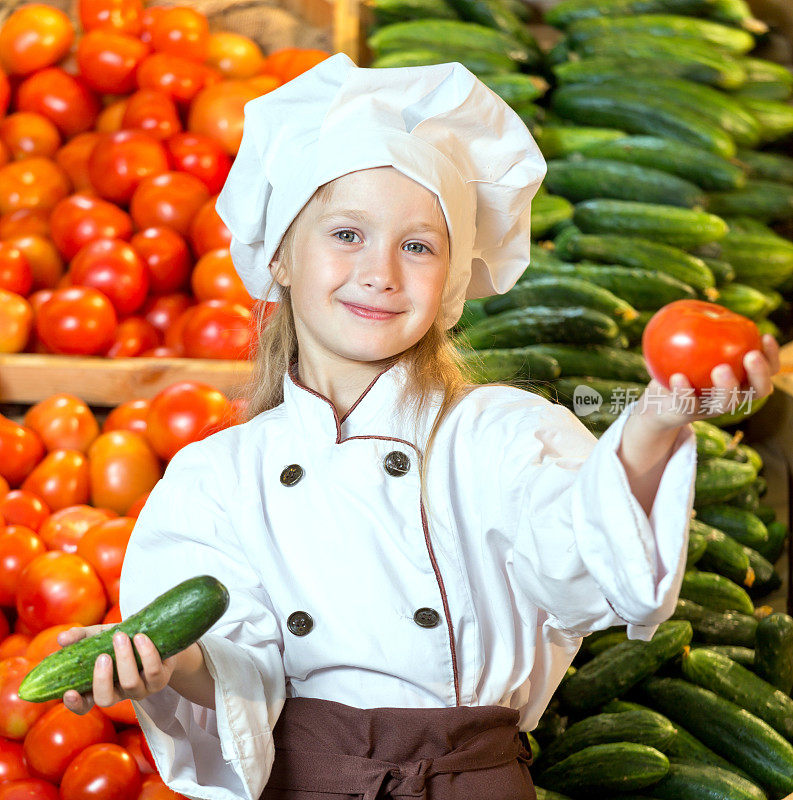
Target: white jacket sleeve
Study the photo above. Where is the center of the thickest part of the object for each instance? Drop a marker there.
(583, 549)
(184, 530)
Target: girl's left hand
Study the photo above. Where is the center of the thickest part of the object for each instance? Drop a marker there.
(678, 405)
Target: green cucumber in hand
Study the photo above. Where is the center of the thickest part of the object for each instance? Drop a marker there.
(173, 621)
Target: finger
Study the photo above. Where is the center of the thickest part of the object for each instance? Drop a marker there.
(103, 681)
(69, 636)
(128, 673)
(771, 350)
(155, 673)
(78, 703)
(758, 372)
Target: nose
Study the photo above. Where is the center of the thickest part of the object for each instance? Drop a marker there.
(379, 269)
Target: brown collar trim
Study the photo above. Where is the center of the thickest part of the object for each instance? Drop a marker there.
(292, 372)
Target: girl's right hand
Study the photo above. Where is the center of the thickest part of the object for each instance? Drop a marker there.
(132, 683)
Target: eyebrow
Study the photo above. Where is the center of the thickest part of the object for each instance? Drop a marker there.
(361, 216)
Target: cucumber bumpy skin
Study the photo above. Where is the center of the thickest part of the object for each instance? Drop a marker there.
(173, 621)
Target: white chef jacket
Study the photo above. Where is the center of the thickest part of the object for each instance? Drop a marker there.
(532, 539)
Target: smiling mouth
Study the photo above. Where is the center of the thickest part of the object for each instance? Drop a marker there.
(370, 313)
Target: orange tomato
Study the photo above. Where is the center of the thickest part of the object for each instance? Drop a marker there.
(122, 467)
(15, 644)
(122, 712)
(217, 112)
(5, 92)
(58, 587)
(4, 489)
(289, 62)
(64, 528)
(113, 615)
(61, 479)
(16, 322)
(111, 117)
(181, 31)
(214, 278)
(128, 416)
(152, 112)
(64, 422)
(73, 157)
(46, 264)
(18, 547)
(124, 16)
(32, 183)
(25, 222)
(15, 273)
(28, 134)
(45, 642)
(137, 506)
(33, 37)
(236, 56)
(154, 788)
(103, 547)
(19, 507)
(20, 450)
(179, 78)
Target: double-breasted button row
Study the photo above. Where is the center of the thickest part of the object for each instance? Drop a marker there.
(300, 622)
(396, 463)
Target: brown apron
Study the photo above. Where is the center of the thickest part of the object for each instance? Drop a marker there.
(330, 751)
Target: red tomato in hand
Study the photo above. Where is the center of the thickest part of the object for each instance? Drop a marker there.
(114, 268)
(172, 199)
(167, 256)
(185, 412)
(64, 422)
(693, 337)
(62, 98)
(61, 735)
(33, 37)
(200, 156)
(121, 160)
(65, 528)
(18, 547)
(109, 61)
(103, 547)
(123, 16)
(81, 218)
(59, 587)
(102, 772)
(78, 320)
(17, 716)
(20, 450)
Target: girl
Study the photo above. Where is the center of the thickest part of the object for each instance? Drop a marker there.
(394, 619)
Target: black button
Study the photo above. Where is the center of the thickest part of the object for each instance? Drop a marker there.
(300, 623)
(426, 617)
(291, 474)
(396, 463)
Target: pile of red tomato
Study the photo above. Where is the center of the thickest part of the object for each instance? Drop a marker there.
(114, 143)
(70, 493)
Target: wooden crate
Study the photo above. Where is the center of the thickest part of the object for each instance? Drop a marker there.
(26, 378)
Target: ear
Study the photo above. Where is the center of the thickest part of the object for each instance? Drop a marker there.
(279, 271)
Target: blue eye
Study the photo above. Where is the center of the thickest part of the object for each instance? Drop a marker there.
(345, 231)
(420, 244)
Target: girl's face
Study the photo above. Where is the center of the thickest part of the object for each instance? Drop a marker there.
(380, 243)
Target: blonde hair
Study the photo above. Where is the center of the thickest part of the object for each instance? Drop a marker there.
(434, 362)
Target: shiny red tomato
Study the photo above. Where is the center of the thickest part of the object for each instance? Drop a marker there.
(16, 322)
(19, 507)
(20, 450)
(217, 112)
(61, 735)
(200, 156)
(59, 587)
(27, 134)
(172, 199)
(179, 78)
(123, 16)
(31, 789)
(185, 412)
(167, 256)
(108, 60)
(181, 31)
(37, 183)
(102, 772)
(76, 320)
(114, 267)
(131, 740)
(122, 467)
(18, 547)
(113, 616)
(73, 157)
(152, 112)
(122, 712)
(208, 231)
(693, 337)
(103, 547)
(214, 278)
(12, 761)
(17, 716)
(163, 311)
(60, 479)
(64, 422)
(46, 264)
(218, 329)
(33, 37)
(15, 273)
(133, 337)
(128, 416)
(121, 160)
(81, 218)
(64, 528)
(62, 98)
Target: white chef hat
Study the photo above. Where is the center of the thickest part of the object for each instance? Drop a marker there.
(438, 124)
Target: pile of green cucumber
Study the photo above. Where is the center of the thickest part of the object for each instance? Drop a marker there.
(703, 711)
